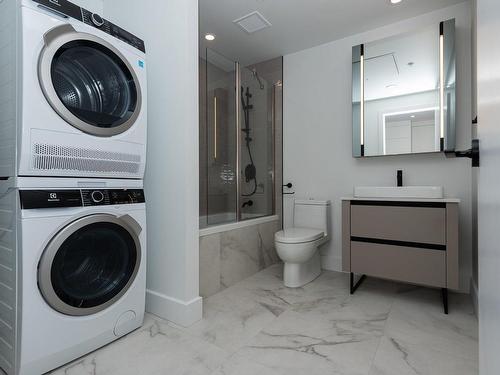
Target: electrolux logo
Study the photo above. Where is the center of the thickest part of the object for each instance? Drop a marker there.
(55, 2)
(53, 197)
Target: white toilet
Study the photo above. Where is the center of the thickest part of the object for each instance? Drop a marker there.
(297, 246)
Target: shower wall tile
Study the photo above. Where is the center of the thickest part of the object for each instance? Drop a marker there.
(210, 265)
(229, 257)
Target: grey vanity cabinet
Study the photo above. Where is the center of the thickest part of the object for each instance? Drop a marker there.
(408, 241)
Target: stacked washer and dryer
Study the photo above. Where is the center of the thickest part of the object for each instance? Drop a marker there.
(72, 207)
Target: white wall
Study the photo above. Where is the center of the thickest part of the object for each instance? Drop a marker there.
(317, 131)
(96, 6)
(170, 30)
(488, 76)
(475, 266)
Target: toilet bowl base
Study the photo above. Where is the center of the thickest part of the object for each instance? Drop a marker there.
(296, 275)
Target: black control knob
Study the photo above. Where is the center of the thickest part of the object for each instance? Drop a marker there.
(97, 19)
(97, 196)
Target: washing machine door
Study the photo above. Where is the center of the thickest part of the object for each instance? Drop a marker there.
(89, 82)
(90, 264)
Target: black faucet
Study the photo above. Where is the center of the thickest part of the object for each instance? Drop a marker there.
(400, 178)
(248, 203)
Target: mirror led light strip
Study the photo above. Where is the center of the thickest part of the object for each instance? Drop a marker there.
(215, 127)
(441, 84)
(362, 98)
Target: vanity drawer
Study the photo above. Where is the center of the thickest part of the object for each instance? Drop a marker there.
(409, 264)
(425, 225)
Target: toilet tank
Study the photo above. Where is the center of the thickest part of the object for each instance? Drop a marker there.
(312, 214)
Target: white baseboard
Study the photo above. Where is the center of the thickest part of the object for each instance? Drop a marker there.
(177, 311)
(474, 296)
(331, 263)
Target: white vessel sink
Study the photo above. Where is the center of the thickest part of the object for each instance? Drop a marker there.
(419, 192)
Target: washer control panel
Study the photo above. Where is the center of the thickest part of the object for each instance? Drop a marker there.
(37, 199)
(67, 9)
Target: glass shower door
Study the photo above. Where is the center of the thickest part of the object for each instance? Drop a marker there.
(218, 188)
(256, 158)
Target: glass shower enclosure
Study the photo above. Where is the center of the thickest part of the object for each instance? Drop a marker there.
(238, 112)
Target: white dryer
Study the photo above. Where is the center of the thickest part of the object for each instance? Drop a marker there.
(82, 93)
(80, 266)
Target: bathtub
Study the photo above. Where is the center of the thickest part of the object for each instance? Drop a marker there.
(225, 221)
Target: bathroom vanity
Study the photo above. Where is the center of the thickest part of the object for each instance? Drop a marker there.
(402, 239)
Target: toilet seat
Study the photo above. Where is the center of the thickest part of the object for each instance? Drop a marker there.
(298, 235)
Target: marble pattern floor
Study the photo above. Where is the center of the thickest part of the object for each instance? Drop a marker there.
(260, 327)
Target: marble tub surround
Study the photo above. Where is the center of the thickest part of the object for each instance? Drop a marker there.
(258, 326)
(229, 257)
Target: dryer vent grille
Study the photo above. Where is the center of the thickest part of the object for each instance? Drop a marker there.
(64, 158)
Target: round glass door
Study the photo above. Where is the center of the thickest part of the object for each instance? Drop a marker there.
(89, 265)
(94, 84)
(89, 83)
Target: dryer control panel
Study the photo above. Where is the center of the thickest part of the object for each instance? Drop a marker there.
(36, 199)
(68, 9)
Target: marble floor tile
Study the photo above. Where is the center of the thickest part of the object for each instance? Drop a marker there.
(395, 357)
(368, 304)
(258, 326)
(231, 319)
(417, 317)
(238, 364)
(327, 290)
(295, 344)
(155, 349)
(269, 278)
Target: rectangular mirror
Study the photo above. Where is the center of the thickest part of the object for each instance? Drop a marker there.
(403, 94)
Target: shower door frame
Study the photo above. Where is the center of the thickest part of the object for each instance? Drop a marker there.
(238, 139)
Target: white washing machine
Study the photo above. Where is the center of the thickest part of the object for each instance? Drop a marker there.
(80, 266)
(82, 93)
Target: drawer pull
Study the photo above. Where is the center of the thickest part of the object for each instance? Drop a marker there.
(417, 245)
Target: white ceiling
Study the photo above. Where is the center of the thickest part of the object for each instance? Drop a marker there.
(298, 24)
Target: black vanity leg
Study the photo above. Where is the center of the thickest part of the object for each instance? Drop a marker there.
(445, 300)
(355, 287)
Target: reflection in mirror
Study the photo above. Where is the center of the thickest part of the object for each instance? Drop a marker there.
(404, 93)
(410, 132)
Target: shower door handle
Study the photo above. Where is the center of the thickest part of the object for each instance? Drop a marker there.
(289, 186)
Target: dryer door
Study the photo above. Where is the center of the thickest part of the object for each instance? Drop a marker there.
(88, 82)
(90, 264)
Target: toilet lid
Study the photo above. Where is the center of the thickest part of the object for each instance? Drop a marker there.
(298, 235)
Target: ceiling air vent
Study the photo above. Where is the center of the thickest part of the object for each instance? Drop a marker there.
(252, 22)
